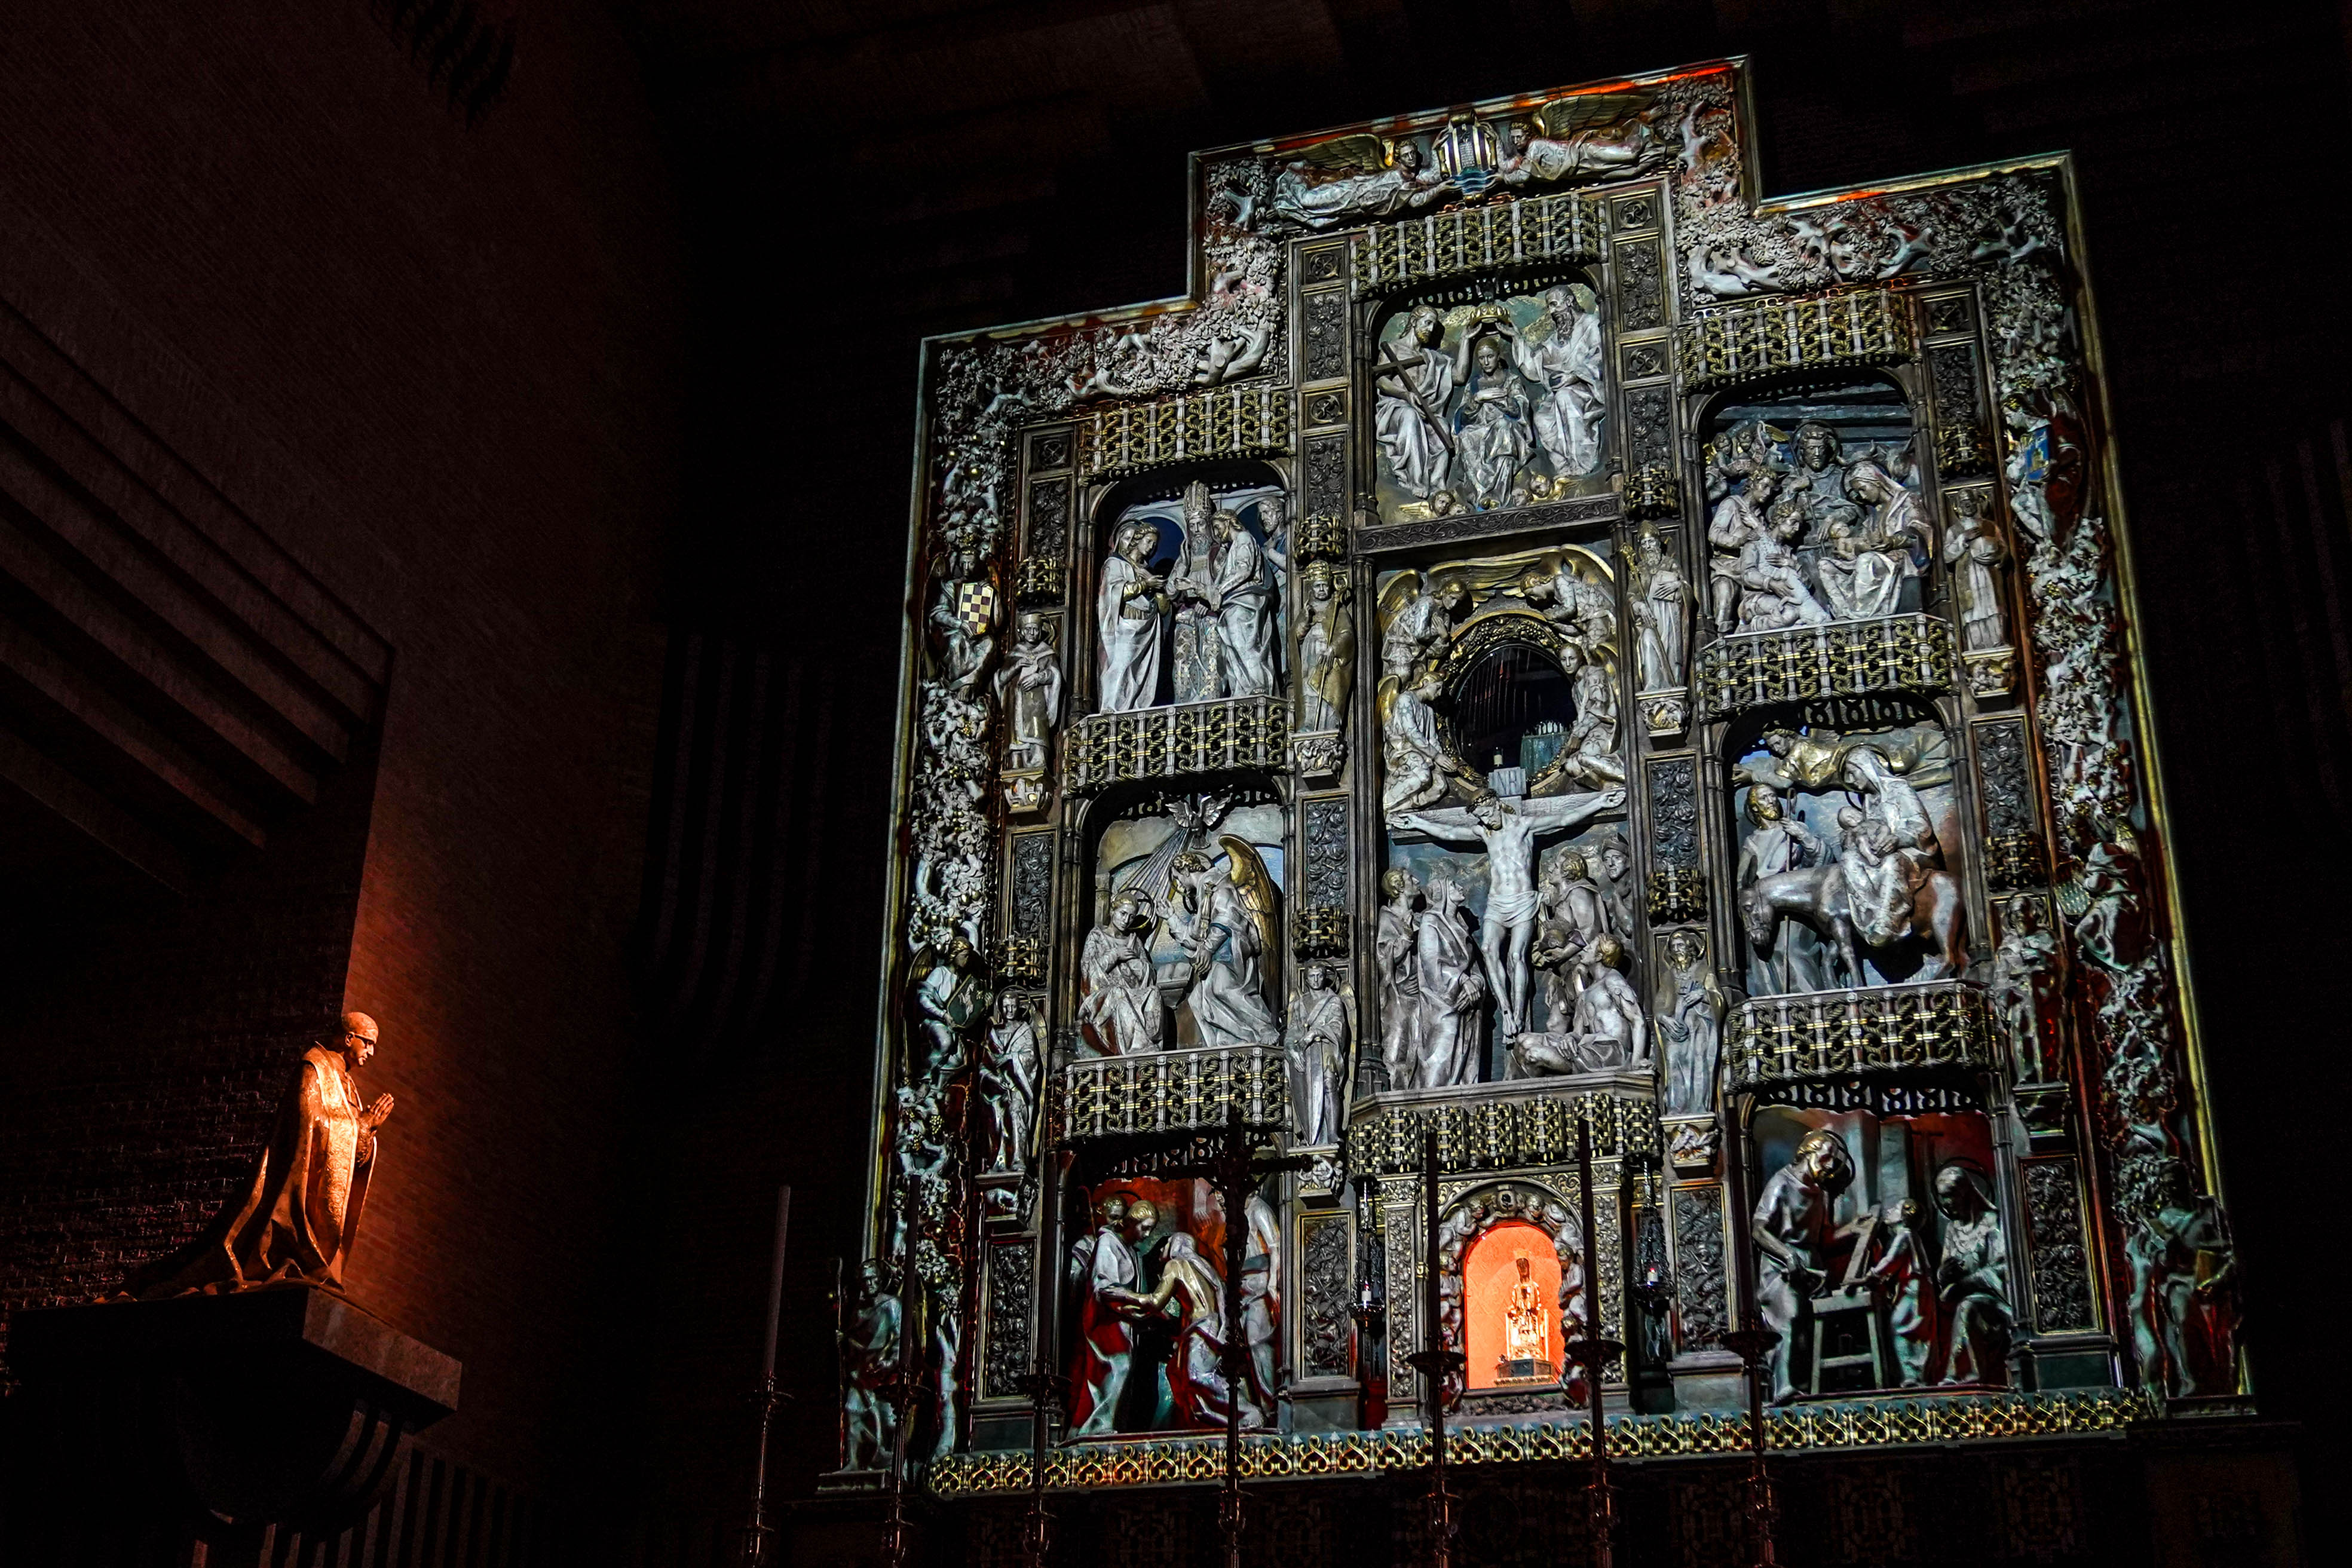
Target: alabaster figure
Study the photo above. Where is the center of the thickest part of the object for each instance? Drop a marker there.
(1607, 1029)
(1492, 432)
(1418, 632)
(1412, 386)
(1589, 755)
(1899, 1277)
(1241, 595)
(1190, 1291)
(2023, 986)
(1316, 198)
(1779, 842)
(1795, 1222)
(1739, 520)
(1198, 643)
(1261, 1295)
(1582, 609)
(1327, 651)
(1223, 920)
(1690, 1025)
(1861, 579)
(1507, 831)
(1411, 747)
(1122, 1007)
(1575, 917)
(1817, 479)
(1452, 989)
(2183, 1269)
(1316, 1044)
(1396, 949)
(1972, 1279)
(1107, 1314)
(296, 1214)
(1972, 549)
(1007, 1081)
(951, 998)
(1029, 689)
(1526, 1330)
(1568, 365)
(869, 1364)
(1773, 596)
(1895, 883)
(1130, 610)
(1661, 614)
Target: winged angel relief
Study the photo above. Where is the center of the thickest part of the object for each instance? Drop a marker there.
(1348, 179)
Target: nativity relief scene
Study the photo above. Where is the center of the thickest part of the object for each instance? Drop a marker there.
(1532, 811)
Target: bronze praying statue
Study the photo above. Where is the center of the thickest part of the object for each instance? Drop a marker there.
(296, 1217)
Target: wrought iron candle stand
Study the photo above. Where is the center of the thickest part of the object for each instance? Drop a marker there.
(1752, 1342)
(1594, 1353)
(1436, 1362)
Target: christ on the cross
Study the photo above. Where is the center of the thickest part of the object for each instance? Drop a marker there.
(1508, 830)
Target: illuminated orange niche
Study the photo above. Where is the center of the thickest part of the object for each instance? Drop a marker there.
(1488, 1272)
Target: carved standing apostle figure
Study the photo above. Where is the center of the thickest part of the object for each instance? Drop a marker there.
(297, 1215)
(1972, 548)
(1029, 685)
(1243, 596)
(1327, 651)
(1316, 1044)
(1128, 612)
(1660, 612)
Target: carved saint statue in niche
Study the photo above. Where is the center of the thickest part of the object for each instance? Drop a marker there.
(1327, 651)
(1972, 549)
(1568, 365)
(1199, 640)
(1660, 612)
(1411, 387)
(1029, 685)
(1526, 1333)
(1121, 1005)
(1492, 428)
(2024, 987)
(1128, 612)
(1316, 1044)
(869, 1362)
(297, 1215)
(1690, 1025)
(1508, 830)
(1223, 922)
(1007, 1081)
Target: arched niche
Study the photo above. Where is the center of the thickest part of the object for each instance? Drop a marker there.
(1257, 498)
(1491, 397)
(1531, 1208)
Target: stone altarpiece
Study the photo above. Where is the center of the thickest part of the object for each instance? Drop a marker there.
(1538, 640)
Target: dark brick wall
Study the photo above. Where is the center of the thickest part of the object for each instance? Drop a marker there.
(435, 363)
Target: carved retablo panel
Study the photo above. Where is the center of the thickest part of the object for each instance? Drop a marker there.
(1544, 645)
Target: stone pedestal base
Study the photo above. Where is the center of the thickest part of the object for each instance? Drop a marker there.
(209, 1418)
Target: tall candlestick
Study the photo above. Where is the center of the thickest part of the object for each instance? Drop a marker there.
(776, 1281)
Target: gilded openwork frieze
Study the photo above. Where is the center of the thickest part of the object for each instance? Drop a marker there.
(1839, 658)
(1944, 1024)
(1752, 341)
(1244, 421)
(1392, 256)
(1172, 742)
(1536, 1127)
(1174, 1091)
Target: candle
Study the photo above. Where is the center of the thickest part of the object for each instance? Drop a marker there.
(776, 1282)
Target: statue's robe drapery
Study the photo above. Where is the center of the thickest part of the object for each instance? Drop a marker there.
(297, 1215)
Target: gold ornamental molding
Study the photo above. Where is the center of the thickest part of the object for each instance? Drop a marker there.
(1560, 229)
(1843, 659)
(1171, 742)
(1175, 1091)
(1535, 1126)
(1747, 342)
(1249, 420)
(1851, 1034)
(1843, 1425)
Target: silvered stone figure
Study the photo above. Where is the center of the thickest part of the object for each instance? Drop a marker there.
(1129, 611)
(1316, 1044)
(1421, 625)
(1029, 685)
(1397, 948)
(1261, 1295)
(1242, 594)
(1661, 614)
(1121, 1005)
(1199, 641)
(1451, 988)
(1607, 1029)
(951, 999)
(1972, 1279)
(1106, 1319)
(1411, 747)
(1507, 831)
(1777, 842)
(1568, 365)
(869, 1362)
(1491, 427)
(1690, 1025)
(1327, 651)
(2172, 1230)
(1817, 480)
(1972, 548)
(1008, 1082)
(1774, 594)
(2023, 985)
(1589, 756)
(1740, 517)
(1796, 1219)
(1223, 922)
(1412, 386)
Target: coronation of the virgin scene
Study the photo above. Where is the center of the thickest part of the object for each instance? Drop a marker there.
(1612, 841)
